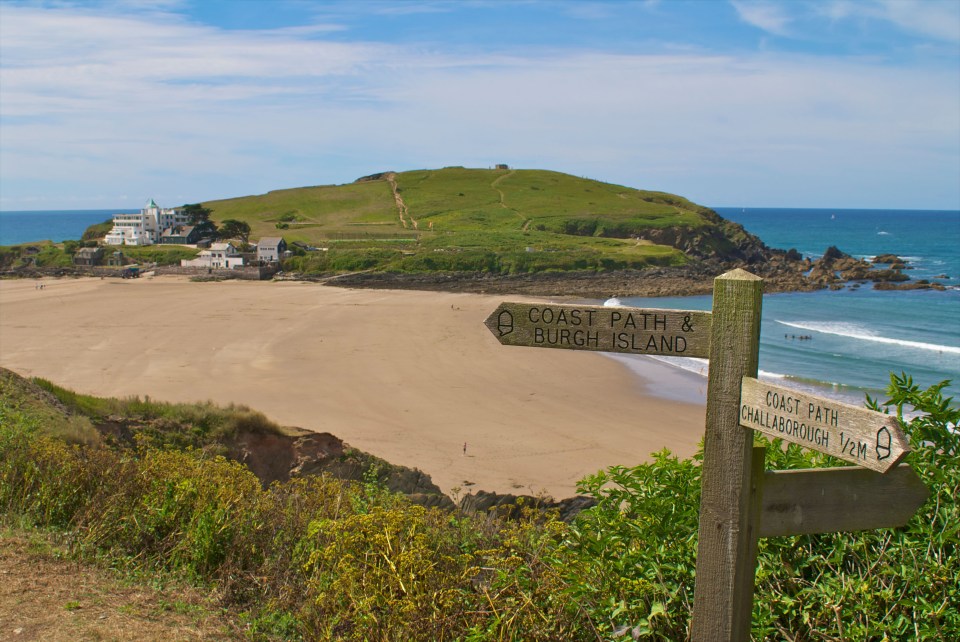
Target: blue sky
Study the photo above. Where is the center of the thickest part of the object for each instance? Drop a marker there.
(827, 103)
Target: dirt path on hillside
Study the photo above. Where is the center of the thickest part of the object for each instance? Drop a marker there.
(58, 600)
(401, 206)
(503, 203)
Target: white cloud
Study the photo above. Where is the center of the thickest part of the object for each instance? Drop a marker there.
(768, 16)
(934, 18)
(97, 104)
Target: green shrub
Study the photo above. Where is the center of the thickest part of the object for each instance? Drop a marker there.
(636, 550)
(892, 584)
(323, 559)
(97, 230)
(53, 256)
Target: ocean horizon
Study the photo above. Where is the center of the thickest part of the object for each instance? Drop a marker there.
(33, 226)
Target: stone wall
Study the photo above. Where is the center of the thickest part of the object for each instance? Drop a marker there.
(252, 273)
(247, 273)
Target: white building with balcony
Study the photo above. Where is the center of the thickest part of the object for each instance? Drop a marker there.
(146, 227)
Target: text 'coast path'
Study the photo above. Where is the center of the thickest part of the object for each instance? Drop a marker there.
(679, 333)
(864, 437)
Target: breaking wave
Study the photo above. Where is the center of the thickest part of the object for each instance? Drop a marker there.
(855, 332)
(702, 366)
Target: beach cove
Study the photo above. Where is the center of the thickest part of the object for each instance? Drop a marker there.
(408, 376)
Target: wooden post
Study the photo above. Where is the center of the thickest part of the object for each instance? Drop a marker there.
(723, 594)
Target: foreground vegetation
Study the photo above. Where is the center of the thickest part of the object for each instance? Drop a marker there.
(318, 558)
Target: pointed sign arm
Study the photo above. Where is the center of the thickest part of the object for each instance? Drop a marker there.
(681, 333)
(830, 500)
(860, 436)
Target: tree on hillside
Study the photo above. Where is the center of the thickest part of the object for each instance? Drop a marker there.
(197, 213)
(234, 229)
(200, 218)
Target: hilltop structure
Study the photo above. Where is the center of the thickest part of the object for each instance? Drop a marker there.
(147, 227)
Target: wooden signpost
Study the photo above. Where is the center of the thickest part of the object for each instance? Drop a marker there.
(740, 501)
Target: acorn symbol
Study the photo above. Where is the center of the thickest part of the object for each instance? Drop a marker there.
(883, 443)
(505, 323)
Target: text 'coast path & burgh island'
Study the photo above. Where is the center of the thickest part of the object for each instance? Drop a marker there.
(681, 333)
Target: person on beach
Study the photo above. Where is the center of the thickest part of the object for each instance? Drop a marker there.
(464, 449)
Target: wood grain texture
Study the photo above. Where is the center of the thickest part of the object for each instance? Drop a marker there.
(682, 333)
(828, 500)
(723, 595)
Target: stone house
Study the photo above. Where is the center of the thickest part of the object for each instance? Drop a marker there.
(180, 235)
(271, 249)
(88, 256)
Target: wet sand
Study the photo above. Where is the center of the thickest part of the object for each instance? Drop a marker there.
(408, 376)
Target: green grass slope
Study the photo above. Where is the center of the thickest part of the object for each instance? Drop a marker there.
(497, 221)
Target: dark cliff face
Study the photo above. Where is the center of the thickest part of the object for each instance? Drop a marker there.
(719, 240)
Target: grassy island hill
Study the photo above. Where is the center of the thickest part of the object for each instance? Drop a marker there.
(500, 221)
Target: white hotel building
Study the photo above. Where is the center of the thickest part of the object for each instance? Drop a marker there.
(146, 227)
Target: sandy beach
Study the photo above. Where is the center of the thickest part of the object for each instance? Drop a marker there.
(408, 376)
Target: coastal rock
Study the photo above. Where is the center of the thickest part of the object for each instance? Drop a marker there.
(512, 506)
(922, 284)
(728, 241)
(889, 276)
(833, 253)
(887, 259)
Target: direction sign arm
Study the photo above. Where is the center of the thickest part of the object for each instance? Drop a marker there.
(829, 500)
(861, 436)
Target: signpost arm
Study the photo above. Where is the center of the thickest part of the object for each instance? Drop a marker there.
(723, 594)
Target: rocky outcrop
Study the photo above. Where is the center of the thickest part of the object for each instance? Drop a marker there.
(783, 271)
(921, 284)
(373, 177)
(512, 506)
(723, 241)
(274, 457)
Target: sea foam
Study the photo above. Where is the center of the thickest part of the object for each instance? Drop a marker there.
(850, 331)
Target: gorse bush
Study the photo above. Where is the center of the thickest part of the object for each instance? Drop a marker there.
(317, 558)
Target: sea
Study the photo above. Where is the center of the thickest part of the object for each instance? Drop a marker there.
(17, 227)
(853, 338)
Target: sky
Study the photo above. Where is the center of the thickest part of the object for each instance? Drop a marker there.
(730, 103)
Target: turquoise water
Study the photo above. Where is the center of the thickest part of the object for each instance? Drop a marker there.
(858, 337)
(18, 227)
